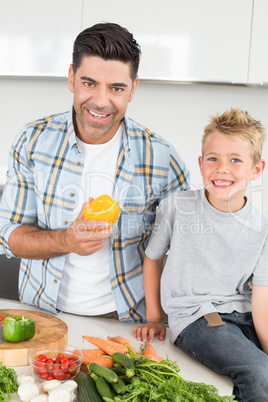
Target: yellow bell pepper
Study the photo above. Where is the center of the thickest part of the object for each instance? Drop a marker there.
(102, 208)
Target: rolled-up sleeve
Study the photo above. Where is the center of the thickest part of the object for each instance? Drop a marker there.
(18, 203)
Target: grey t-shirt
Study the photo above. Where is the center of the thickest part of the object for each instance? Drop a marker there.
(212, 256)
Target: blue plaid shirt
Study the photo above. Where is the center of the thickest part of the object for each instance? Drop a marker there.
(43, 178)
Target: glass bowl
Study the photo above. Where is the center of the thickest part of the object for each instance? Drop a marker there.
(60, 362)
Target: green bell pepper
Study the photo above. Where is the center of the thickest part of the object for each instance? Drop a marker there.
(18, 329)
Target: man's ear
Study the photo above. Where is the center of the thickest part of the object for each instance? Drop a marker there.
(134, 87)
(258, 169)
(200, 163)
(71, 78)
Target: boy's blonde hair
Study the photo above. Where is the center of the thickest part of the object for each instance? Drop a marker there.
(236, 122)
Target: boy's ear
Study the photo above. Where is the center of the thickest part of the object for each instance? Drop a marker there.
(258, 169)
(200, 163)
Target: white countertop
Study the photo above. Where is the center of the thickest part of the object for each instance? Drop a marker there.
(81, 325)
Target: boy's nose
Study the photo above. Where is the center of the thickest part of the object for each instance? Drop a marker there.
(222, 167)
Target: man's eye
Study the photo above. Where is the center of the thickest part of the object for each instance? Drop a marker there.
(116, 89)
(88, 84)
(212, 159)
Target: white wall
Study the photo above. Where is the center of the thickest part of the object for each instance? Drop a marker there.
(177, 112)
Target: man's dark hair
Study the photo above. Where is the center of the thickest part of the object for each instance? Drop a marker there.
(110, 42)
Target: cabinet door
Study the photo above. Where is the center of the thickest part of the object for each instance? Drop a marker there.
(258, 69)
(193, 40)
(36, 37)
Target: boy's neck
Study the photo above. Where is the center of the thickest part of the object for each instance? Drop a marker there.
(231, 205)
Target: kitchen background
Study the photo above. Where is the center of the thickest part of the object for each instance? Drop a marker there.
(198, 57)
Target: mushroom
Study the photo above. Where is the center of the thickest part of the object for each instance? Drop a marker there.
(59, 394)
(48, 386)
(24, 378)
(27, 391)
(40, 398)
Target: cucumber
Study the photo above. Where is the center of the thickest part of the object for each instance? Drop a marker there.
(86, 391)
(119, 370)
(126, 362)
(109, 375)
(118, 386)
(103, 388)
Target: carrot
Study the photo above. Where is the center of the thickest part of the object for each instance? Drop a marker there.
(101, 360)
(84, 368)
(93, 352)
(157, 359)
(119, 339)
(148, 350)
(109, 347)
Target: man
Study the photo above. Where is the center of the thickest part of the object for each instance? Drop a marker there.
(59, 163)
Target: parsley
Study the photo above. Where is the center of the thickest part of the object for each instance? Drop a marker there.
(7, 382)
(161, 382)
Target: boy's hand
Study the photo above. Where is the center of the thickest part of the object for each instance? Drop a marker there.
(147, 331)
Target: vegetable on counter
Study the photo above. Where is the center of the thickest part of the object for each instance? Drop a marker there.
(102, 208)
(18, 329)
(141, 377)
(109, 347)
(8, 383)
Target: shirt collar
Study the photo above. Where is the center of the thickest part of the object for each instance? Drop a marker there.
(72, 136)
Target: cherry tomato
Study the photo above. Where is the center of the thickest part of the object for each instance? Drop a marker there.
(41, 358)
(39, 368)
(49, 364)
(67, 376)
(58, 375)
(59, 356)
(50, 377)
(44, 376)
(56, 366)
(72, 368)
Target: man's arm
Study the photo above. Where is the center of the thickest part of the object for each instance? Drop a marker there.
(152, 271)
(260, 314)
(80, 237)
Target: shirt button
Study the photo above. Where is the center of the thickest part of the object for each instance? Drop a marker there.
(78, 163)
(55, 281)
(65, 222)
(72, 194)
(51, 304)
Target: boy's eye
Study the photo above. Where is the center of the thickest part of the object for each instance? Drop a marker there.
(236, 160)
(212, 159)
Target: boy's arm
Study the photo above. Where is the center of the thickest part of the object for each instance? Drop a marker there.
(260, 314)
(152, 271)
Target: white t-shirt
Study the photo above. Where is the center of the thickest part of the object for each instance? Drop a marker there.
(85, 286)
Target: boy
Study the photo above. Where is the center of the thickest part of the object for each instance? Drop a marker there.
(216, 271)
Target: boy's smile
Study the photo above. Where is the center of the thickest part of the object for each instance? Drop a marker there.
(226, 168)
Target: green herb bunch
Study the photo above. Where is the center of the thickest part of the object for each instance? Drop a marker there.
(7, 382)
(162, 382)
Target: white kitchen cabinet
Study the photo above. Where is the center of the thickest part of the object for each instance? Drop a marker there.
(36, 37)
(193, 40)
(258, 67)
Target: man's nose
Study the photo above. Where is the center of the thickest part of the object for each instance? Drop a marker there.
(101, 98)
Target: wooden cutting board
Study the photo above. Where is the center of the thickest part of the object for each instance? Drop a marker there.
(49, 330)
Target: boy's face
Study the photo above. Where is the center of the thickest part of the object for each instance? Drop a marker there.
(226, 168)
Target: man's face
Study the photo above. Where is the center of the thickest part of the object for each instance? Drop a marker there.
(102, 90)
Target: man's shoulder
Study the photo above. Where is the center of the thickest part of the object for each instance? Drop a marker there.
(138, 132)
(55, 120)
